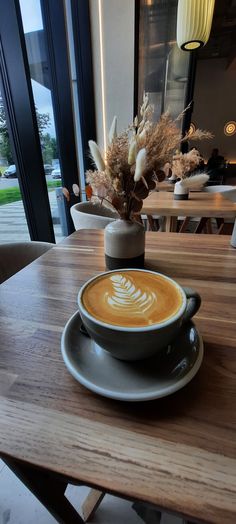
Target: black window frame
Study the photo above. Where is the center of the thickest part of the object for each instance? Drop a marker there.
(61, 91)
(81, 25)
(22, 123)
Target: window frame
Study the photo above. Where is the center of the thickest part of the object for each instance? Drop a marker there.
(22, 123)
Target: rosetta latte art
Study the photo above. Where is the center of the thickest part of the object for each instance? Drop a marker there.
(127, 298)
(131, 298)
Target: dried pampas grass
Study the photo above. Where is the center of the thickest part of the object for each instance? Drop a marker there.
(195, 182)
(184, 163)
(198, 134)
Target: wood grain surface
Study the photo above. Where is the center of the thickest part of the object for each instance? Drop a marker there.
(178, 453)
(199, 204)
(168, 186)
(165, 186)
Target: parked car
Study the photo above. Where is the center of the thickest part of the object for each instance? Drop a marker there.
(10, 172)
(56, 173)
(48, 169)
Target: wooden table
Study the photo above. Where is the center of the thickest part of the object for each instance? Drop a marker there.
(199, 204)
(178, 453)
(165, 186)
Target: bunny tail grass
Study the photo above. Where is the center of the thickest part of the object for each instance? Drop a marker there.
(113, 130)
(195, 181)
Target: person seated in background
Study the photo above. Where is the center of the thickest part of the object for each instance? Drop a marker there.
(216, 166)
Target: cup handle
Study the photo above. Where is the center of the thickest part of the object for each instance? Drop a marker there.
(193, 303)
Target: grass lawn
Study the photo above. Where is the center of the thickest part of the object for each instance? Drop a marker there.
(13, 194)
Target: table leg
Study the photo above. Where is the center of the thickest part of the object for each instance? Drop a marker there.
(184, 225)
(171, 224)
(91, 503)
(152, 223)
(233, 237)
(209, 227)
(48, 489)
(201, 224)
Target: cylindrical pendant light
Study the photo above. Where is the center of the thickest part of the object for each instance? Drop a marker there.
(194, 19)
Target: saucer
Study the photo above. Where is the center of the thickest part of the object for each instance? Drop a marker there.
(149, 379)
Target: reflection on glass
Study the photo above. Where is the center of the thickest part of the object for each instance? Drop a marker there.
(163, 67)
(13, 225)
(40, 80)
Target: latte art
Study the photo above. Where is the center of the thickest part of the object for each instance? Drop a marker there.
(127, 298)
(132, 298)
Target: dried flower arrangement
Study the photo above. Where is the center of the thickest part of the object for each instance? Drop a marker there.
(67, 194)
(183, 165)
(134, 160)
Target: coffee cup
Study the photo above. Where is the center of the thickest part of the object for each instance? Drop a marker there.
(132, 313)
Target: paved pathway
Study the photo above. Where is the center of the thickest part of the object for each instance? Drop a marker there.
(13, 225)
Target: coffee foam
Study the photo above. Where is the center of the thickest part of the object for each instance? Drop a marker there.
(132, 298)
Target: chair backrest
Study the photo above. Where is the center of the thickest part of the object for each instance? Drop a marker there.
(15, 256)
(89, 215)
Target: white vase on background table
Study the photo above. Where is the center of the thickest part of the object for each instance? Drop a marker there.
(180, 191)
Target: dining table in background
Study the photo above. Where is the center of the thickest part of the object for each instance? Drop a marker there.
(199, 204)
(165, 186)
(176, 453)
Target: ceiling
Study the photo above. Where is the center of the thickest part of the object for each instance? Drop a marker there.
(159, 17)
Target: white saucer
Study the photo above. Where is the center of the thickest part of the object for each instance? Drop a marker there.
(148, 379)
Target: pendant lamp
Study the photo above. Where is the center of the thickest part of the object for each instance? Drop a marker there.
(194, 19)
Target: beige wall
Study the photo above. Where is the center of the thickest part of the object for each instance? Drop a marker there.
(117, 23)
(214, 105)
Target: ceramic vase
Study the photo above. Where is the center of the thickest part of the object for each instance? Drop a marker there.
(124, 244)
(180, 192)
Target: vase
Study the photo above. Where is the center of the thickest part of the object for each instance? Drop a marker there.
(124, 244)
(180, 192)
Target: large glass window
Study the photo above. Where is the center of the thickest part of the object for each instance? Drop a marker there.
(36, 87)
(41, 86)
(13, 224)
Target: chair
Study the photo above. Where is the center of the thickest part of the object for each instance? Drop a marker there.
(15, 256)
(88, 215)
(229, 192)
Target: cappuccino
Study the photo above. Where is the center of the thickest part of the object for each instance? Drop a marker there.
(132, 298)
